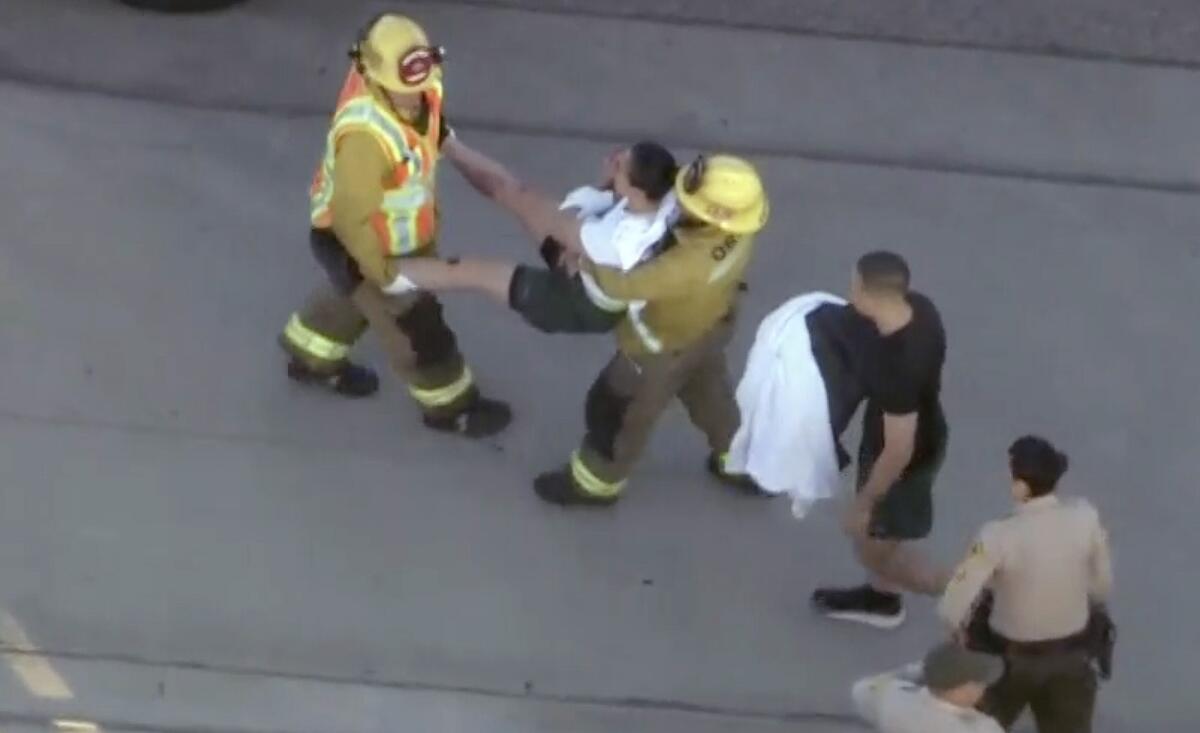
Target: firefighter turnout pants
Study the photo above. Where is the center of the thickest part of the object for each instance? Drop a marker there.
(421, 347)
(631, 393)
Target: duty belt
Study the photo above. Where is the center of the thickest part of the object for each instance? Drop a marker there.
(1073, 643)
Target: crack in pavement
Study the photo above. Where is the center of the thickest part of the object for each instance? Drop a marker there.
(528, 694)
(918, 164)
(316, 445)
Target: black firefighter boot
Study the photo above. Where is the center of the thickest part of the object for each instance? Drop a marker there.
(479, 418)
(350, 380)
(740, 482)
(558, 487)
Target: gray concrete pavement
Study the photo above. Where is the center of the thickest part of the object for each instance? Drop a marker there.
(608, 79)
(169, 498)
(1155, 31)
(174, 700)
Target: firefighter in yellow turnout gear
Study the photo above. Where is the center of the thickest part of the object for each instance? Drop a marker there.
(374, 208)
(679, 317)
(673, 313)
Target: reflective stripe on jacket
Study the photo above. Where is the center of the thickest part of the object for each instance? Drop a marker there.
(407, 218)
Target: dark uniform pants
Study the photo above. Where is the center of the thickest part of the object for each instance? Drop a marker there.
(421, 347)
(631, 393)
(1060, 688)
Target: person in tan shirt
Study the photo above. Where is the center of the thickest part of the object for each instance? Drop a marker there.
(937, 695)
(1045, 566)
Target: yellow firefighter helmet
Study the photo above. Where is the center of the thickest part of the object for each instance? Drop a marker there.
(724, 191)
(393, 51)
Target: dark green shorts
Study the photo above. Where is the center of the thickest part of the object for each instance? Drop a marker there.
(906, 511)
(554, 302)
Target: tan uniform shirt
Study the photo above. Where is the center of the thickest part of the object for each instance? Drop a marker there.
(678, 296)
(896, 703)
(1043, 564)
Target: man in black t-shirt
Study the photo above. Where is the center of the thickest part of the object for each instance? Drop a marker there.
(899, 363)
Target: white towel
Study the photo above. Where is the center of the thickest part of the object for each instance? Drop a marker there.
(785, 442)
(612, 235)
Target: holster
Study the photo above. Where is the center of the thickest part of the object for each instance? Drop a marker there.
(979, 634)
(1102, 639)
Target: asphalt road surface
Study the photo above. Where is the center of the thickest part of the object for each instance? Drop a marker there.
(190, 542)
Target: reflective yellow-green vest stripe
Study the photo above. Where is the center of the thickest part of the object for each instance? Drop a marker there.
(407, 209)
(312, 343)
(442, 396)
(589, 482)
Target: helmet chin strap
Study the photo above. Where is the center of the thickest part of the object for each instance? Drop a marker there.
(356, 56)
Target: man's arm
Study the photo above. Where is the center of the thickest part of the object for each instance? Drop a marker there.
(541, 216)
(358, 173)
(970, 578)
(1101, 581)
(537, 212)
(485, 174)
(671, 274)
(899, 440)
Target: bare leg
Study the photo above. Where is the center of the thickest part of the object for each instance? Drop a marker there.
(489, 278)
(898, 566)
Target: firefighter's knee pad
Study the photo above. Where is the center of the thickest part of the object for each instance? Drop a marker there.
(431, 339)
(604, 414)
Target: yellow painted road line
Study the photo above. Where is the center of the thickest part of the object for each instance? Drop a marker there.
(76, 726)
(34, 670)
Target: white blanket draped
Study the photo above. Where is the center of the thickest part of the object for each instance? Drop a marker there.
(785, 442)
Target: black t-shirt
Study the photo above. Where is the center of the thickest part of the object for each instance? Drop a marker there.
(837, 333)
(902, 374)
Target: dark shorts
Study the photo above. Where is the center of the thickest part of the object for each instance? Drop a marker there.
(554, 302)
(906, 511)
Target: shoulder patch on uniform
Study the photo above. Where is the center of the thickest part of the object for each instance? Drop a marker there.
(722, 250)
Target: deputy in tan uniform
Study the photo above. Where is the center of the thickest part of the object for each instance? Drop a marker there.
(1045, 565)
(937, 695)
(674, 316)
(373, 209)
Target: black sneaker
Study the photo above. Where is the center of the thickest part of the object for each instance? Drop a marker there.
(863, 604)
(740, 482)
(482, 418)
(351, 380)
(557, 487)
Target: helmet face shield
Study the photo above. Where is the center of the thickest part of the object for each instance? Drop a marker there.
(416, 65)
(394, 52)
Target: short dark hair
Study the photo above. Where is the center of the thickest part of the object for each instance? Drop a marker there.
(883, 271)
(1038, 463)
(652, 169)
